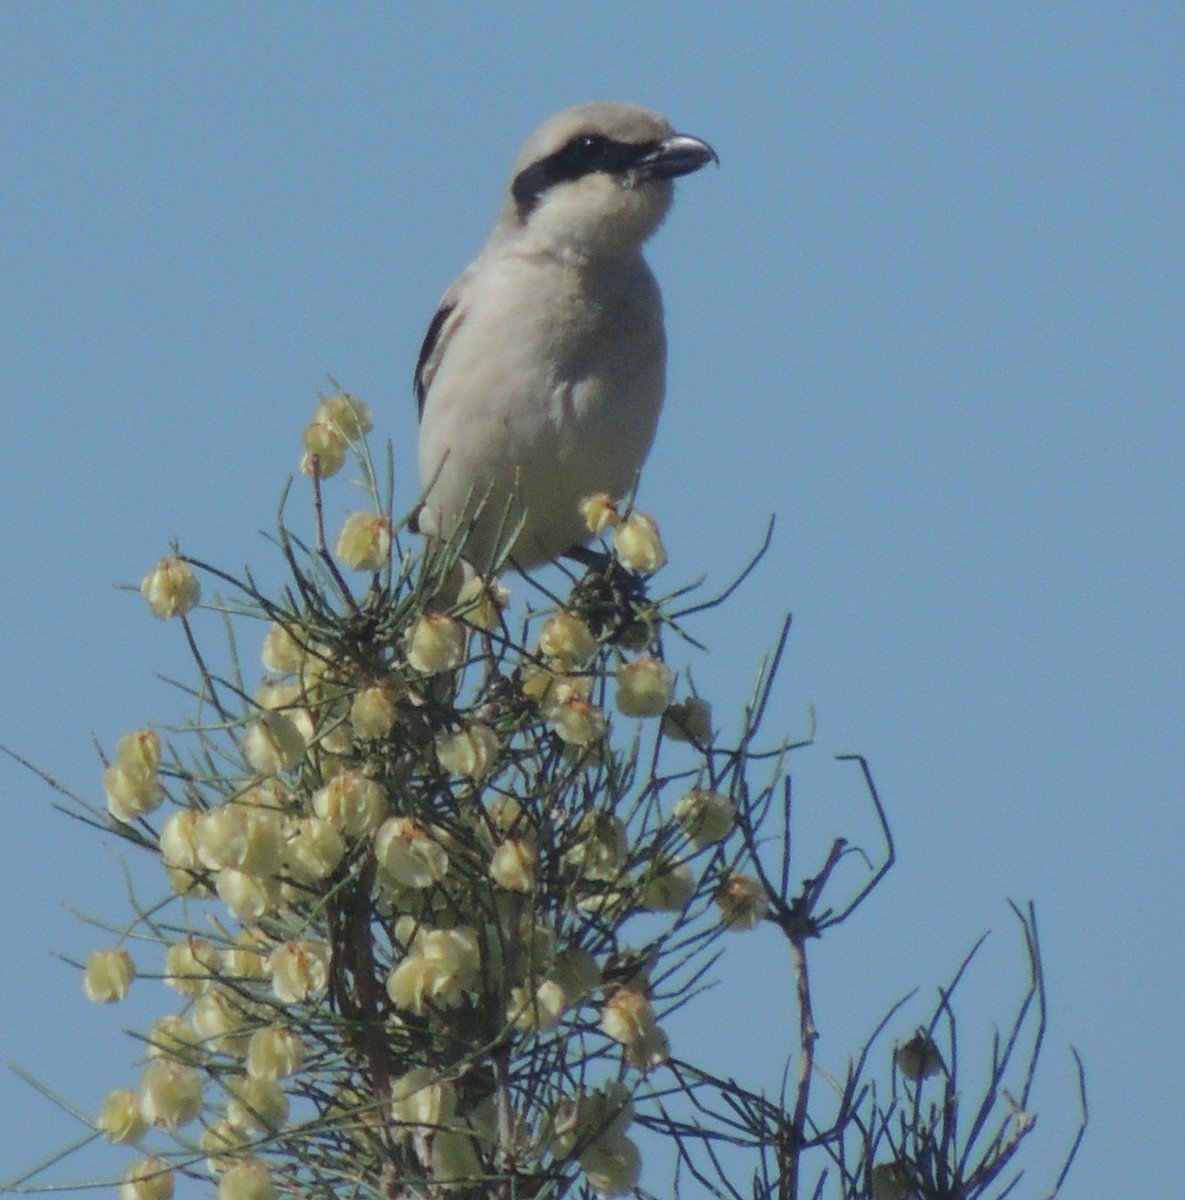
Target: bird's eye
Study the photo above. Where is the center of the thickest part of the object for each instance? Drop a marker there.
(591, 151)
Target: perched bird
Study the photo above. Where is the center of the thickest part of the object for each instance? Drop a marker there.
(542, 374)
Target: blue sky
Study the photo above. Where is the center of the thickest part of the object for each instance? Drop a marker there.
(928, 311)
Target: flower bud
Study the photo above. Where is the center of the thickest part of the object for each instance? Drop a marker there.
(243, 836)
(364, 542)
(146, 1179)
(513, 865)
(919, 1058)
(705, 817)
(599, 513)
(469, 751)
(120, 1119)
(299, 970)
(436, 643)
(567, 639)
(742, 902)
(689, 720)
(347, 414)
(374, 710)
(247, 1180)
(171, 589)
(638, 546)
(222, 1018)
(408, 856)
(644, 687)
(170, 1093)
(109, 975)
(351, 803)
(178, 840)
(273, 743)
(256, 1103)
(324, 444)
(628, 1017)
(274, 1052)
(138, 752)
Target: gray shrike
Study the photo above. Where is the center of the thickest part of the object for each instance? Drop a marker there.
(542, 374)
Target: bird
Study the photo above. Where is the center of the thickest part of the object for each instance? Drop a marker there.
(542, 374)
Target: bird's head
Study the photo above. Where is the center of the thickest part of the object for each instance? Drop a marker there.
(597, 179)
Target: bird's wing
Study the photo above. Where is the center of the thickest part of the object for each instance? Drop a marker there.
(443, 325)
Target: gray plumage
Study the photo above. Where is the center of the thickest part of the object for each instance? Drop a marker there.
(542, 375)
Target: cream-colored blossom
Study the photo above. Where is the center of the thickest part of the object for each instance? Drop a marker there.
(567, 640)
(109, 975)
(409, 856)
(481, 602)
(248, 1179)
(637, 544)
(599, 513)
(173, 1036)
(628, 1017)
(435, 644)
(120, 1119)
(131, 794)
(299, 970)
(347, 414)
(273, 743)
(421, 1098)
(374, 710)
(612, 1165)
(364, 543)
(248, 897)
(538, 1009)
(469, 751)
(171, 589)
(578, 723)
(147, 1179)
(274, 1052)
(170, 1093)
(742, 902)
(513, 865)
(644, 687)
(352, 803)
(224, 1146)
(178, 840)
(706, 817)
(443, 966)
(313, 851)
(244, 836)
(256, 1102)
(223, 1018)
(191, 964)
(325, 446)
(282, 651)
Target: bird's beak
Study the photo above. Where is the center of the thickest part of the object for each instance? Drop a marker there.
(680, 154)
